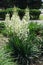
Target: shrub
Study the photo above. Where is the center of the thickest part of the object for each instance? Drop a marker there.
(4, 12)
(34, 14)
(2, 26)
(2, 15)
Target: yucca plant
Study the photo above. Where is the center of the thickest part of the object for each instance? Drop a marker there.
(24, 50)
(28, 49)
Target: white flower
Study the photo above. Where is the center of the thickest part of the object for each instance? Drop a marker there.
(20, 27)
(26, 17)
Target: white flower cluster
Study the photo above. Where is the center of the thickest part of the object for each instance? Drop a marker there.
(20, 27)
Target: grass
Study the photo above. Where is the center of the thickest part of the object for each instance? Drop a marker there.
(41, 17)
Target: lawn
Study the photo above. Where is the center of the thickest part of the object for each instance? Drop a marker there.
(41, 17)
